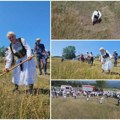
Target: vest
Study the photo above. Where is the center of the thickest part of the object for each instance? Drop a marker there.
(106, 55)
(21, 53)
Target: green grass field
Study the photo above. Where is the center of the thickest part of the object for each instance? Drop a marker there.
(22, 105)
(70, 69)
(72, 20)
(79, 108)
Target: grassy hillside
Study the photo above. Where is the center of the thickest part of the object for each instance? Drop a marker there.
(72, 20)
(71, 69)
(81, 109)
(22, 105)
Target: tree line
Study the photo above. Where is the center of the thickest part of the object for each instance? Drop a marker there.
(98, 84)
(2, 51)
(69, 52)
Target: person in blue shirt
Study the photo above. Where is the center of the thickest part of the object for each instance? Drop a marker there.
(40, 54)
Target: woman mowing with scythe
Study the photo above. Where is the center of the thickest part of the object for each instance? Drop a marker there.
(25, 74)
(106, 60)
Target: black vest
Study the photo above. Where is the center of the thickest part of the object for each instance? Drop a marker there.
(106, 55)
(21, 53)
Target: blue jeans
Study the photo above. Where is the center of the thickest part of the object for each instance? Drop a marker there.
(39, 59)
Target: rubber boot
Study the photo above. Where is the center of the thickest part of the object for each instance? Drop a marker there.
(30, 88)
(16, 88)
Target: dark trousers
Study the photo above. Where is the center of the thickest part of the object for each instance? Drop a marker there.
(91, 60)
(39, 59)
(115, 62)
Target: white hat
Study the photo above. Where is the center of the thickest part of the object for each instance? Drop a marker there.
(38, 39)
(115, 50)
(101, 48)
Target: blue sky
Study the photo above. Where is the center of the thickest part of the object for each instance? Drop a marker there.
(27, 19)
(83, 46)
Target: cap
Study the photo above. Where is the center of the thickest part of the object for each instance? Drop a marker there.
(38, 39)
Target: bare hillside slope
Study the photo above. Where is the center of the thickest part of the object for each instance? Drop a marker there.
(72, 20)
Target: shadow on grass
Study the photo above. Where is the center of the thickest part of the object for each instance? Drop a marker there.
(115, 73)
(36, 91)
(116, 66)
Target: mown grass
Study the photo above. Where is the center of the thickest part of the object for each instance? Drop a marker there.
(81, 109)
(70, 69)
(22, 105)
(72, 20)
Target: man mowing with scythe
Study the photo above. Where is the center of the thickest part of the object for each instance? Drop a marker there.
(24, 74)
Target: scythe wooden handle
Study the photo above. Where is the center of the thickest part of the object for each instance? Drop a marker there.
(15, 66)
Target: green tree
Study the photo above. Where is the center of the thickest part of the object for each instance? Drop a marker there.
(97, 56)
(69, 52)
(2, 51)
(101, 84)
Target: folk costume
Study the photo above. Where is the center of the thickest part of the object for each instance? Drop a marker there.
(106, 60)
(25, 74)
(96, 17)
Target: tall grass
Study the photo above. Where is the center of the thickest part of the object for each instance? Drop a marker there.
(81, 109)
(72, 20)
(70, 69)
(23, 105)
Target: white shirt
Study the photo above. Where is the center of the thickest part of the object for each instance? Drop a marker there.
(91, 55)
(97, 13)
(6, 55)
